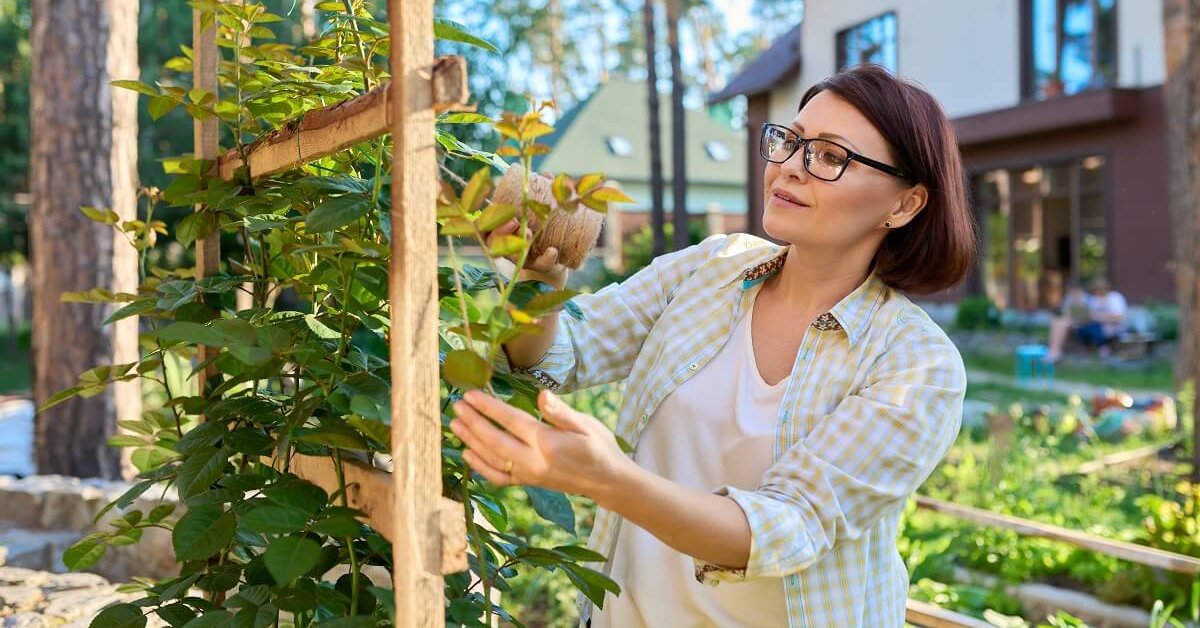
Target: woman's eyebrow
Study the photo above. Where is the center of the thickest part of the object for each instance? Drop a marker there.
(799, 129)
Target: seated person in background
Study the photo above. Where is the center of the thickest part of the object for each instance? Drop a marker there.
(1074, 312)
(1106, 311)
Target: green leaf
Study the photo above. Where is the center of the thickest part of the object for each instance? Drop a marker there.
(588, 182)
(457, 226)
(453, 31)
(59, 397)
(119, 616)
(211, 619)
(591, 583)
(296, 493)
(192, 333)
(199, 471)
(476, 190)
(336, 212)
(136, 308)
(508, 245)
(339, 436)
(350, 622)
(160, 106)
(271, 519)
(495, 216)
(580, 553)
(610, 195)
(83, 554)
(289, 557)
(136, 86)
(339, 527)
(548, 300)
(552, 506)
(463, 118)
(202, 532)
(465, 369)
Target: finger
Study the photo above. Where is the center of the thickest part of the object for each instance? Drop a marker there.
(492, 474)
(547, 259)
(518, 422)
(479, 434)
(473, 442)
(559, 414)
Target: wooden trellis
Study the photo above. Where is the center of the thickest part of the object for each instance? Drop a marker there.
(427, 531)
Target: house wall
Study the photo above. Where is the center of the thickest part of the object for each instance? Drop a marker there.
(967, 54)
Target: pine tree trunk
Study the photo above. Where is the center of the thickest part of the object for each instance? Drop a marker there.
(657, 215)
(84, 152)
(678, 130)
(1181, 30)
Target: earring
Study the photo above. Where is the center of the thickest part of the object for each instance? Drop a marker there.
(888, 224)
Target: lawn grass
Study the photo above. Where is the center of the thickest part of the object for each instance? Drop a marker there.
(15, 371)
(1157, 375)
(1004, 394)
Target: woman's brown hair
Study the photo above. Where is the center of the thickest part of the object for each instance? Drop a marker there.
(937, 249)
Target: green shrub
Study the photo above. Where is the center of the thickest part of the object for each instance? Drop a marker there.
(977, 312)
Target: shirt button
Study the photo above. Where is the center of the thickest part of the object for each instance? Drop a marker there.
(693, 366)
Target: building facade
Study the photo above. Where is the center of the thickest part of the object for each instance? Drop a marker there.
(1060, 118)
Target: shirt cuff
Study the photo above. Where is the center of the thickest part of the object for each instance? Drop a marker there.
(777, 537)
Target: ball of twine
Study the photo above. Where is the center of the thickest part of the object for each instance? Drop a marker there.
(574, 234)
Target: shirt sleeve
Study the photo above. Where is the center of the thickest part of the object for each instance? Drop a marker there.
(862, 460)
(602, 347)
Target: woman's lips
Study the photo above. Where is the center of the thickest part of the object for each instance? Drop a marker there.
(786, 200)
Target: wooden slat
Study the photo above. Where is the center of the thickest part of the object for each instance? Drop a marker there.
(1126, 551)
(928, 615)
(1121, 458)
(370, 490)
(412, 290)
(205, 138)
(323, 132)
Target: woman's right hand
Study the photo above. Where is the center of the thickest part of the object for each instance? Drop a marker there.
(547, 263)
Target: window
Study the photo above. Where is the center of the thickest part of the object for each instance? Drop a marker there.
(620, 146)
(1044, 225)
(717, 151)
(873, 41)
(1070, 46)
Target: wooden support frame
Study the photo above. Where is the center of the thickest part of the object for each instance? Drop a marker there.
(928, 615)
(427, 531)
(1132, 552)
(323, 132)
(370, 490)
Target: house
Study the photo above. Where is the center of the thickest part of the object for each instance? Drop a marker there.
(1058, 106)
(609, 133)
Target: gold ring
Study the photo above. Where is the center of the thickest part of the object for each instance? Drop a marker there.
(508, 467)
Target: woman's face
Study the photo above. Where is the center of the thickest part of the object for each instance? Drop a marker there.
(849, 213)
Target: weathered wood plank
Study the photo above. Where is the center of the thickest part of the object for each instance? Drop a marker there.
(928, 615)
(370, 490)
(412, 289)
(1126, 551)
(325, 131)
(205, 138)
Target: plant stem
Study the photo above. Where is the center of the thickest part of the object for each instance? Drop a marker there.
(354, 569)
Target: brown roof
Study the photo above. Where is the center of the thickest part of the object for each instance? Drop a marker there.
(779, 61)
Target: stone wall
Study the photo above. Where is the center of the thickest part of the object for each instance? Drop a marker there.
(41, 516)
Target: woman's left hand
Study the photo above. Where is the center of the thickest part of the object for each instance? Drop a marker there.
(571, 452)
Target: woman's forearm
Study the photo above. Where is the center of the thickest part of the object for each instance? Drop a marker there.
(527, 350)
(702, 525)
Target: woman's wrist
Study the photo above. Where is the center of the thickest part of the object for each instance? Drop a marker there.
(506, 266)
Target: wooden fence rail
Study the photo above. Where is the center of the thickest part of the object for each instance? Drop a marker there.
(1149, 556)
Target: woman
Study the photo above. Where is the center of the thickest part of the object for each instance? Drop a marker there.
(783, 402)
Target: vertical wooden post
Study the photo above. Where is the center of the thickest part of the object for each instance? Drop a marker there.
(416, 419)
(205, 135)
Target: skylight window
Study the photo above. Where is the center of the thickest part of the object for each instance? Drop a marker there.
(620, 146)
(717, 151)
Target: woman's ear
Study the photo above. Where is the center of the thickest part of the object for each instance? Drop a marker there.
(911, 204)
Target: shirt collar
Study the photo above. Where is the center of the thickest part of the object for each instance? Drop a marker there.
(852, 314)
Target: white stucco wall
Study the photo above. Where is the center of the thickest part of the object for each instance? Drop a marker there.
(965, 52)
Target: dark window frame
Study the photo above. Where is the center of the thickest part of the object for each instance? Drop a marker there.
(1028, 77)
(840, 38)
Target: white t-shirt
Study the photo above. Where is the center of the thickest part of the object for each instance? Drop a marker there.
(717, 428)
(1109, 304)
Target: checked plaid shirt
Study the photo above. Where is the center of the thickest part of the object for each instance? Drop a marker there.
(872, 404)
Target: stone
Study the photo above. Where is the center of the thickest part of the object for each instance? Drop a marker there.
(79, 603)
(25, 620)
(20, 597)
(17, 575)
(69, 581)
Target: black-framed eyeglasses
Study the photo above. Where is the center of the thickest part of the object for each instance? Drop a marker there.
(824, 159)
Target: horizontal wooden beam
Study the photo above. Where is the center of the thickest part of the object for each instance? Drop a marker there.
(322, 132)
(1122, 458)
(928, 615)
(370, 490)
(1126, 551)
